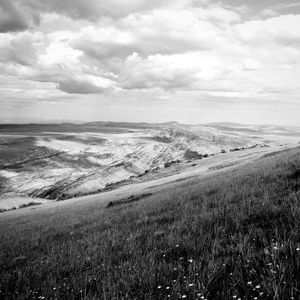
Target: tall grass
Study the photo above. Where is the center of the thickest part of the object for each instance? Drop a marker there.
(233, 236)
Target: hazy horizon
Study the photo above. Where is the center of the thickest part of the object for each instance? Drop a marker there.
(187, 61)
(77, 122)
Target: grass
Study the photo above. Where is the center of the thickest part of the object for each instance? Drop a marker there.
(225, 237)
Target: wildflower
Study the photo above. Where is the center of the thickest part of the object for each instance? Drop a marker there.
(257, 287)
(191, 284)
(249, 282)
(190, 260)
(167, 288)
(183, 296)
(159, 287)
(298, 249)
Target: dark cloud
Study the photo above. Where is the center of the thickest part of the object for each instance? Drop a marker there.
(73, 8)
(92, 10)
(73, 86)
(14, 17)
(10, 18)
(102, 50)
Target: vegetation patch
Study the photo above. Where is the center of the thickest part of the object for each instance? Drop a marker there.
(29, 204)
(128, 200)
(190, 154)
(222, 166)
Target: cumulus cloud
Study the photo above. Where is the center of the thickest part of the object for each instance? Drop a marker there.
(280, 29)
(168, 71)
(205, 70)
(61, 64)
(72, 81)
(18, 49)
(37, 58)
(160, 31)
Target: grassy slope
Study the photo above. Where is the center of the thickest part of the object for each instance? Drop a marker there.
(230, 237)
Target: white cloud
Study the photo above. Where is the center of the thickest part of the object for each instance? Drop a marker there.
(59, 53)
(169, 71)
(280, 29)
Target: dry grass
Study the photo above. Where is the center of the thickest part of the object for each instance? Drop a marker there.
(230, 237)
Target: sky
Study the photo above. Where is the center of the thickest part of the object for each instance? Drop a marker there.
(191, 61)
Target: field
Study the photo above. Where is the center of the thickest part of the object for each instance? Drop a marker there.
(232, 235)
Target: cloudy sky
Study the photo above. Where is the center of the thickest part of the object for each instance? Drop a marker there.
(193, 61)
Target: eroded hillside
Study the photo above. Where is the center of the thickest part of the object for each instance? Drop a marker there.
(64, 161)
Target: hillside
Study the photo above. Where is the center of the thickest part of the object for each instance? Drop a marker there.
(234, 234)
(44, 162)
